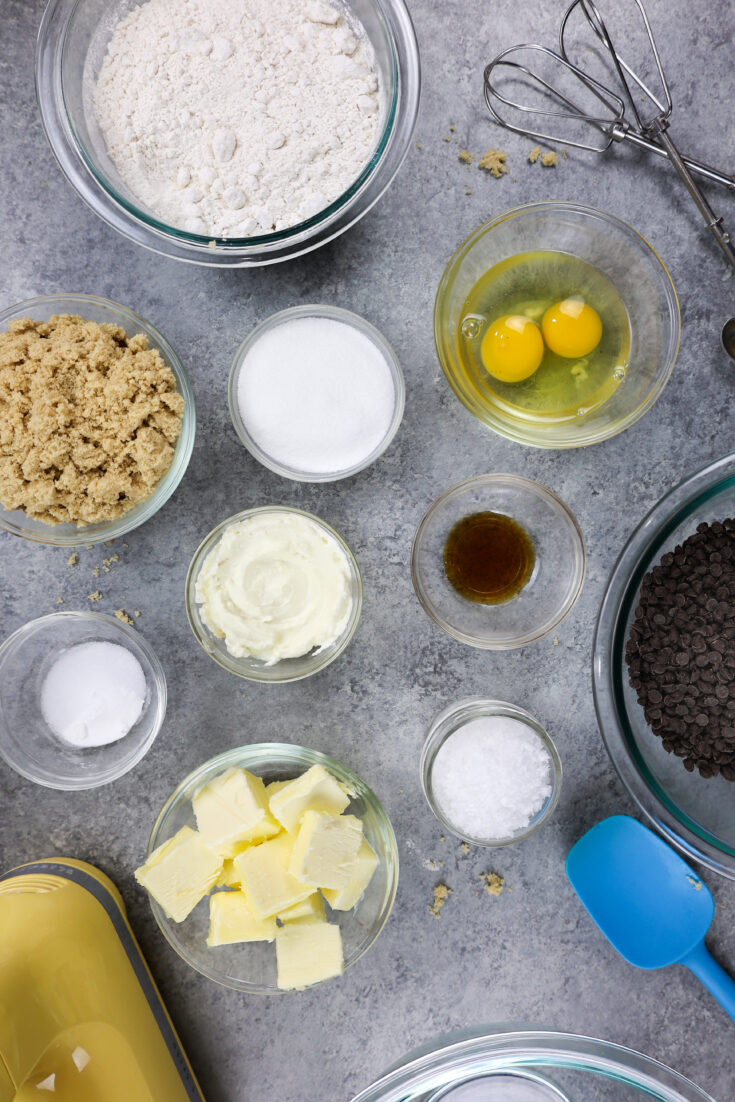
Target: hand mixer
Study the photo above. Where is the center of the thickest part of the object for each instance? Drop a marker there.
(649, 128)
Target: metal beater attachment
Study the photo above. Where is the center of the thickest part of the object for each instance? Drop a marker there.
(528, 84)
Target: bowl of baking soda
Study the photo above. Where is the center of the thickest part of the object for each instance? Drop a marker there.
(316, 393)
(82, 697)
(490, 772)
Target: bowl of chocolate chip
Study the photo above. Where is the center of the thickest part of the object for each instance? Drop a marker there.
(664, 666)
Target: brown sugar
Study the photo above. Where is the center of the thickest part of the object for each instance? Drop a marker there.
(441, 895)
(534, 155)
(493, 162)
(494, 884)
(549, 160)
(465, 157)
(89, 418)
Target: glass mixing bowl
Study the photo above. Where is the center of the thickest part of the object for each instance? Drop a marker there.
(104, 312)
(287, 669)
(625, 258)
(252, 967)
(582, 1069)
(546, 598)
(71, 44)
(697, 815)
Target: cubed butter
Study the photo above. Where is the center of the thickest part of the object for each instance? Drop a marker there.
(180, 873)
(308, 951)
(232, 811)
(344, 899)
(313, 907)
(314, 790)
(326, 849)
(229, 877)
(232, 919)
(264, 875)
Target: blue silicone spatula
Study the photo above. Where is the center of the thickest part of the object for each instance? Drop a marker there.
(647, 901)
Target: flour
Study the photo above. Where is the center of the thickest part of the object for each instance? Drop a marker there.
(230, 118)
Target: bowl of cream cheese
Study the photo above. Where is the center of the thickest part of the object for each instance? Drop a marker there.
(273, 594)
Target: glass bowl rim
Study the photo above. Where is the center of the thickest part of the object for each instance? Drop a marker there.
(635, 558)
(158, 687)
(562, 509)
(168, 485)
(346, 317)
(251, 755)
(194, 618)
(507, 428)
(441, 729)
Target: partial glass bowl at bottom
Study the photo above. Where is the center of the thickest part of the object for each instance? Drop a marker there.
(254, 669)
(550, 592)
(105, 312)
(453, 719)
(252, 967)
(696, 814)
(26, 742)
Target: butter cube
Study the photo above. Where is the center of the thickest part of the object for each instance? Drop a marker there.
(232, 810)
(308, 951)
(232, 919)
(344, 899)
(180, 873)
(313, 907)
(264, 875)
(326, 849)
(315, 790)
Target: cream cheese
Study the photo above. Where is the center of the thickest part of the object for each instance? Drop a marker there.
(275, 585)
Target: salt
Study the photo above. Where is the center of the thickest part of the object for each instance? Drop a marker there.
(491, 777)
(93, 694)
(316, 395)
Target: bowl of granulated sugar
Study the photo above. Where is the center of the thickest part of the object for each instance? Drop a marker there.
(490, 772)
(316, 393)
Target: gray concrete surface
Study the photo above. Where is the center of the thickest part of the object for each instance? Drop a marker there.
(531, 954)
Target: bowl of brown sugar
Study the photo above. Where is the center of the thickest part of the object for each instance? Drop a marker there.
(97, 420)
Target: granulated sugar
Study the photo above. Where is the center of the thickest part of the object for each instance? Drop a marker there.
(491, 777)
(238, 117)
(316, 395)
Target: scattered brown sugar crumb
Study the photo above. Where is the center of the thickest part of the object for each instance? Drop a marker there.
(468, 191)
(136, 614)
(555, 641)
(441, 895)
(493, 162)
(89, 418)
(465, 157)
(564, 154)
(453, 128)
(419, 145)
(122, 615)
(73, 559)
(59, 600)
(96, 596)
(446, 138)
(494, 884)
(534, 155)
(465, 848)
(549, 160)
(95, 571)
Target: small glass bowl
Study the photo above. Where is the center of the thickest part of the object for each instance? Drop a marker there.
(252, 967)
(334, 313)
(628, 261)
(104, 312)
(549, 594)
(451, 720)
(27, 744)
(253, 669)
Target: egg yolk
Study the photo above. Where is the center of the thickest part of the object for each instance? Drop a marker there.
(512, 348)
(571, 328)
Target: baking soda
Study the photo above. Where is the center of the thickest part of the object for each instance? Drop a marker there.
(93, 694)
(491, 777)
(316, 395)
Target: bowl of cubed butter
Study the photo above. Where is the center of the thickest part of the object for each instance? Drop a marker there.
(271, 868)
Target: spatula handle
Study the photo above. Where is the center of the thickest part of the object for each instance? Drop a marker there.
(715, 979)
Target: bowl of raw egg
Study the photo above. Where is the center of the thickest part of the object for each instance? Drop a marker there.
(557, 325)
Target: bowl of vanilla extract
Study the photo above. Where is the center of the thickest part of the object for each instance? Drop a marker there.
(498, 561)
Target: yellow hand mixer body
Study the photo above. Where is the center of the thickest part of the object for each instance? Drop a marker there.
(80, 1017)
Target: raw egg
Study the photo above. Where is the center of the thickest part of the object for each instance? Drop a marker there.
(571, 328)
(512, 348)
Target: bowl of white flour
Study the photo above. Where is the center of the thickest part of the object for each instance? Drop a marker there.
(228, 132)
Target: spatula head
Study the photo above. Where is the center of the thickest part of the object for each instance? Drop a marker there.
(646, 900)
